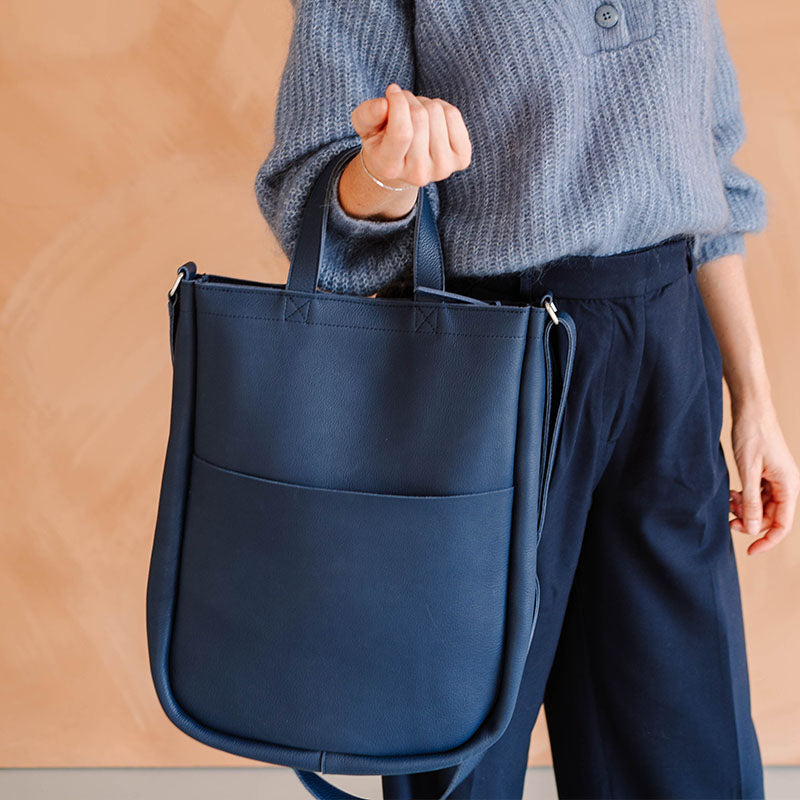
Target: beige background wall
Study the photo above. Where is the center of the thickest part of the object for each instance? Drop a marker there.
(130, 140)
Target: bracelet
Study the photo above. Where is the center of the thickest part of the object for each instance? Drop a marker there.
(381, 183)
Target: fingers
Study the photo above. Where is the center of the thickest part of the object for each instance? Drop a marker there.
(783, 493)
(418, 158)
(369, 117)
(780, 500)
(441, 154)
(751, 505)
(458, 135)
(735, 507)
(450, 146)
(398, 134)
(776, 532)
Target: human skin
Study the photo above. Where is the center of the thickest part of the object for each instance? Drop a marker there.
(769, 474)
(410, 140)
(407, 141)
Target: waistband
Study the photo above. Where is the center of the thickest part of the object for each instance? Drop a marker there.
(624, 274)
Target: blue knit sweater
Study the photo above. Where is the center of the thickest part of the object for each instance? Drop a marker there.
(586, 139)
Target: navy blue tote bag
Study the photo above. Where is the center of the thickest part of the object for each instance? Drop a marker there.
(343, 573)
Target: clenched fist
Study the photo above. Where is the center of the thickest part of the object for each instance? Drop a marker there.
(411, 140)
(407, 142)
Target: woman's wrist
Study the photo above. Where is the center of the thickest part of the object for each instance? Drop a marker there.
(748, 391)
(402, 188)
(751, 395)
(362, 197)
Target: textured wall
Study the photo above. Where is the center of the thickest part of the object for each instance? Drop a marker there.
(131, 137)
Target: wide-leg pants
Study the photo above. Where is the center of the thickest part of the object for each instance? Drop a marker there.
(638, 653)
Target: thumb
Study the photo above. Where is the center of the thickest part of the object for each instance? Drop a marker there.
(370, 116)
(751, 499)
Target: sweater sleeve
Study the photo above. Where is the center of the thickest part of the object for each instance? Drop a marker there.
(340, 54)
(744, 194)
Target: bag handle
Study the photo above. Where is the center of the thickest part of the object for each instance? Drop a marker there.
(558, 371)
(428, 260)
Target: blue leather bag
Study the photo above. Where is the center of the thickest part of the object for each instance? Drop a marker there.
(343, 573)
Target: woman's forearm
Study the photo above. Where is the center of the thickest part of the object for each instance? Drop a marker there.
(723, 286)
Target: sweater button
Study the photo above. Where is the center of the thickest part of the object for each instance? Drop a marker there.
(606, 16)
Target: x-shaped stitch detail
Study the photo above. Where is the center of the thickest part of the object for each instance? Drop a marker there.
(293, 309)
(424, 320)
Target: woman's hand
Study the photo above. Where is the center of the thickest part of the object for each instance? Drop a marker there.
(770, 476)
(412, 140)
(407, 141)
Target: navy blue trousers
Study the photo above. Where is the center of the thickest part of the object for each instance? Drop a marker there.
(638, 655)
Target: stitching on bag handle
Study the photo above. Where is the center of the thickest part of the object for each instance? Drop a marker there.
(425, 319)
(294, 311)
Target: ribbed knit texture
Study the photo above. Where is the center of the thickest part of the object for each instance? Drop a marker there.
(586, 140)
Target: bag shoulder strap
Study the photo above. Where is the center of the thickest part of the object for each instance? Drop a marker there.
(323, 790)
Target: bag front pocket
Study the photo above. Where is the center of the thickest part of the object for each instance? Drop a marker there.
(346, 621)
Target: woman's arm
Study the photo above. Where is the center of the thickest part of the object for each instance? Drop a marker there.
(769, 475)
(339, 55)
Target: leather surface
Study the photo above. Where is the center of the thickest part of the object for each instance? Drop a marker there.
(406, 592)
(343, 575)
